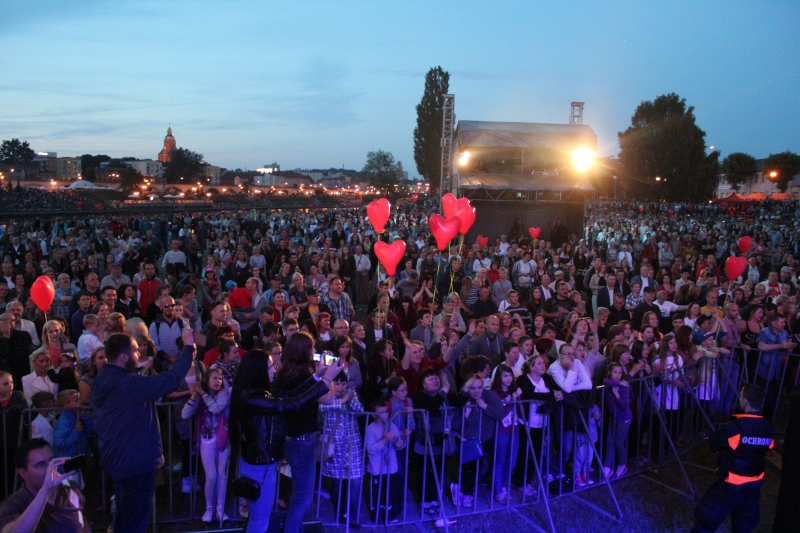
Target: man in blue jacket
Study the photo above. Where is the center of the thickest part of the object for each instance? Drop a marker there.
(128, 428)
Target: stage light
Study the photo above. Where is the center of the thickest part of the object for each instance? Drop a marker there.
(582, 159)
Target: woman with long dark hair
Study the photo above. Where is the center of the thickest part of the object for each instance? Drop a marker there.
(258, 431)
(301, 430)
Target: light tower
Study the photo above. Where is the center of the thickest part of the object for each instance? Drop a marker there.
(576, 113)
(448, 121)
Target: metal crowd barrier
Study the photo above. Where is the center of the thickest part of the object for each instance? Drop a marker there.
(563, 458)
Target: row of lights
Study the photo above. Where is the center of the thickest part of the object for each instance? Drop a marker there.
(582, 159)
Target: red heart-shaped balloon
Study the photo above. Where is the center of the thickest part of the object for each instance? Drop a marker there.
(43, 292)
(449, 205)
(734, 267)
(378, 213)
(466, 213)
(483, 241)
(414, 197)
(534, 232)
(745, 243)
(390, 254)
(443, 230)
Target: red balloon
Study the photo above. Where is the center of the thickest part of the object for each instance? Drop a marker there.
(390, 254)
(43, 293)
(466, 213)
(378, 213)
(734, 267)
(483, 241)
(745, 243)
(414, 196)
(444, 230)
(449, 205)
(534, 232)
(641, 209)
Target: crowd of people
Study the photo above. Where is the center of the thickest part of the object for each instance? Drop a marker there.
(25, 199)
(240, 318)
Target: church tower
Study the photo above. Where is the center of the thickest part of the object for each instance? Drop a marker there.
(169, 145)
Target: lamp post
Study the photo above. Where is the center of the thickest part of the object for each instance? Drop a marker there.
(615, 187)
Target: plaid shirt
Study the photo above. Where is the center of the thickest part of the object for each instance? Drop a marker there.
(341, 309)
(347, 461)
(63, 310)
(633, 300)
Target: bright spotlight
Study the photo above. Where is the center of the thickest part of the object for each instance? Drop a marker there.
(582, 159)
(773, 174)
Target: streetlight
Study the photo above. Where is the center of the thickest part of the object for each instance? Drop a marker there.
(658, 178)
(615, 187)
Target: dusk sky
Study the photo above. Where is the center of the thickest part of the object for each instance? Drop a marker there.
(315, 85)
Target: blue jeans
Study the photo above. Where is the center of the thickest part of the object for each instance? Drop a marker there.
(506, 448)
(728, 377)
(259, 510)
(133, 498)
(300, 454)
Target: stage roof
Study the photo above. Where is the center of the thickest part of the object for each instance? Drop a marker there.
(523, 134)
(520, 182)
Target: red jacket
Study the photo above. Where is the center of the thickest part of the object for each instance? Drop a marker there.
(147, 291)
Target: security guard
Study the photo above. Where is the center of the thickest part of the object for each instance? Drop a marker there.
(742, 445)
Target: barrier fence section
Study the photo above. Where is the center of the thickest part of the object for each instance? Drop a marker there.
(417, 466)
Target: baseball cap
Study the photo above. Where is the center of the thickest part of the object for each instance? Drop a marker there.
(230, 285)
(558, 273)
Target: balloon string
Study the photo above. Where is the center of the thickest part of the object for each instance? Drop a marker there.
(436, 281)
(452, 274)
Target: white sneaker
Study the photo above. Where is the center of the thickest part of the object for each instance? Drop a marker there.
(208, 515)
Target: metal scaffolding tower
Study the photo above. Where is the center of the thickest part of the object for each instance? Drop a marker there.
(576, 113)
(448, 123)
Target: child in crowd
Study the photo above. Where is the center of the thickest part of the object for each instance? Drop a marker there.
(209, 401)
(507, 438)
(66, 377)
(42, 425)
(618, 416)
(342, 451)
(401, 411)
(383, 439)
(71, 429)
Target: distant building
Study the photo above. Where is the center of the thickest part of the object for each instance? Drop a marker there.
(107, 175)
(147, 167)
(212, 172)
(169, 146)
(291, 179)
(68, 168)
(758, 183)
(233, 178)
(269, 169)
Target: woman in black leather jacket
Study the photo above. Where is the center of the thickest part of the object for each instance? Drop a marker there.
(257, 428)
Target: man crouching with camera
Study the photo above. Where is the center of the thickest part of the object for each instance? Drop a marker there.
(44, 504)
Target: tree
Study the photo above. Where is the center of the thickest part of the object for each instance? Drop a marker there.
(184, 164)
(89, 164)
(14, 151)
(130, 179)
(664, 142)
(737, 167)
(786, 166)
(382, 170)
(428, 133)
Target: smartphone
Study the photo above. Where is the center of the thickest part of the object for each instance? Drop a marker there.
(329, 358)
(317, 357)
(74, 463)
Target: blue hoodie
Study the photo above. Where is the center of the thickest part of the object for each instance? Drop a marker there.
(125, 416)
